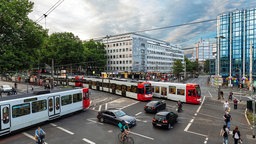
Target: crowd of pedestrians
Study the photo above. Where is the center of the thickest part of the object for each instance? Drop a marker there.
(226, 129)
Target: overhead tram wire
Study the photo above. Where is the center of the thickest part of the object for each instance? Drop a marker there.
(49, 11)
(159, 28)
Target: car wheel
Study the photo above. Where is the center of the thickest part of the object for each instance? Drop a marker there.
(154, 125)
(101, 119)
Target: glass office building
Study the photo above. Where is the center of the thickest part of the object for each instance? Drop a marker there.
(236, 32)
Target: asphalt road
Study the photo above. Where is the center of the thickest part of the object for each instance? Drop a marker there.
(197, 124)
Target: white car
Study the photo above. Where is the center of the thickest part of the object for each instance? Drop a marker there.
(5, 88)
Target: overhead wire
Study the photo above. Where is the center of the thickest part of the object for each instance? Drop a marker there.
(49, 11)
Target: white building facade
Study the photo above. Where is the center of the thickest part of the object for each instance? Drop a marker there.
(137, 53)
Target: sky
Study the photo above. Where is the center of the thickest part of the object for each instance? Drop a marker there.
(91, 19)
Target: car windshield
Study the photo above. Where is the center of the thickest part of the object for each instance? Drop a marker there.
(120, 113)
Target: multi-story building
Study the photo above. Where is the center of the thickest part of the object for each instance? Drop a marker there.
(137, 53)
(236, 32)
(203, 51)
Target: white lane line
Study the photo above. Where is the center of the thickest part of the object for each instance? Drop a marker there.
(67, 131)
(99, 108)
(94, 121)
(197, 134)
(88, 141)
(30, 136)
(210, 93)
(53, 124)
(138, 113)
(187, 127)
(130, 105)
(142, 136)
(106, 106)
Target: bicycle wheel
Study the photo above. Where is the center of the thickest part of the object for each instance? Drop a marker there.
(129, 140)
(119, 137)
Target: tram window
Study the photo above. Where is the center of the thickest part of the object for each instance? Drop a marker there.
(191, 92)
(157, 89)
(128, 88)
(65, 100)
(118, 87)
(123, 88)
(172, 90)
(180, 91)
(20, 110)
(140, 91)
(113, 86)
(38, 106)
(50, 104)
(57, 103)
(77, 97)
(93, 83)
(5, 115)
(153, 89)
(134, 89)
(163, 91)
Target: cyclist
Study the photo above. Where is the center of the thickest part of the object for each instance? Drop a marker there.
(124, 129)
(39, 135)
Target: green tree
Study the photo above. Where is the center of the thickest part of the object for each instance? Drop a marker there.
(207, 66)
(95, 56)
(178, 67)
(64, 48)
(20, 37)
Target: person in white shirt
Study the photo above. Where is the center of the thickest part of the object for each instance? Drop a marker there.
(226, 106)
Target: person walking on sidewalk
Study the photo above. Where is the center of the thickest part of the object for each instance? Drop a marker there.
(236, 135)
(227, 118)
(224, 132)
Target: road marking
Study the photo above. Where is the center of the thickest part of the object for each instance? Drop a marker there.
(197, 133)
(210, 93)
(67, 131)
(99, 108)
(142, 136)
(130, 104)
(138, 113)
(53, 124)
(88, 141)
(106, 106)
(30, 136)
(94, 121)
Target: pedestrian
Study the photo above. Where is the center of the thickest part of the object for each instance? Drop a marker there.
(230, 96)
(226, 106)
(235, 103)
(224, 132)
(222, 94)
(227, 118)
(237, 135)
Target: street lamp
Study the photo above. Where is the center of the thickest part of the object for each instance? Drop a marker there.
(218, 60)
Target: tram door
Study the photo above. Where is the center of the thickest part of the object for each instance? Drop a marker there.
(5, 117)
(54, 106)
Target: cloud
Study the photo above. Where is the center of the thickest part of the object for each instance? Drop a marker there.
(98, 18)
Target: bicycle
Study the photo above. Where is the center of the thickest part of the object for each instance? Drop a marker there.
(127, 139)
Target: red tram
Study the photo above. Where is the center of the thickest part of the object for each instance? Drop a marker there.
(20, 111)
(188, 93)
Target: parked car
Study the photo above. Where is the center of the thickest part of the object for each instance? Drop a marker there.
(154, 106)
(114, 116)
(5, 88)
(164, 119)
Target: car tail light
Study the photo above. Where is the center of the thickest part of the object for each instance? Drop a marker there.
(145, 106)
(165, 121)
(152, 108)
(153, 119)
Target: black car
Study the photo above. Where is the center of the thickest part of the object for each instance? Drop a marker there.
(165, 119)
(114, 116)
(154, 106)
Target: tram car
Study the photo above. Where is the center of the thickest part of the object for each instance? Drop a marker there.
(133, 89)
(20, 111)
(187, 93)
